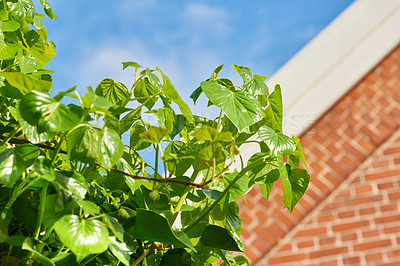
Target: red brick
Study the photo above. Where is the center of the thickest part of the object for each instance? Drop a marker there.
(349, 237)
(349, 226)
(327, 241)
(280, 215)
(277, 230)
(285, 247)
(265, 235)
(351, 260)
(367, 211)
(250, 255)
(364, 200)
(371, 233)
(346, 214)
(389, 207)
(364, 189)
(288, 258)
(392, 229)
(373, 257)
(305, 244)
(393, 253)
(388, 219)
(386, 185)
(328, 252)
(260, 246)
(372, 79)
(394, 195)
(383, 174)
(372, 245)
(326, 218)
(311, 232)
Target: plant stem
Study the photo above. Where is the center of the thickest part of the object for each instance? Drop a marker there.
(219, 120)
(8, 255)
(12, 134)
(43, 195)
(182, 199)
(207, 210)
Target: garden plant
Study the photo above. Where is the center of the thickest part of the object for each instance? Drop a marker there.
(72, 193)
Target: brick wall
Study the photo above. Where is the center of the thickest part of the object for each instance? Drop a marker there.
(351, 212)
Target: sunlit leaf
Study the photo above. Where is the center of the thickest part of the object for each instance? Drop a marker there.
(110, 147)
(120, 250)
(154, 134)
(82, 236)
(47, 114)
(276, 141)
(239, 106)
(115, 92)
(172, 94)
(131, 64)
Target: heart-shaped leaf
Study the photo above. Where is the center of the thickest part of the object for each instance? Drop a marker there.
(218, 237)
(82, 143)
(276, 141)
(82, 236)
(47, 114)
(115, 92)
(239, 106)
(110, 148)
(154, 227)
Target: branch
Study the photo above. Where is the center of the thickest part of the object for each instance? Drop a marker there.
(189, 184)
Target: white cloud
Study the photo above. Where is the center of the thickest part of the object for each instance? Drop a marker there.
(210, 19)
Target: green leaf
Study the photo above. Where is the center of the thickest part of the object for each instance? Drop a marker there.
(294, 184)
(120, 250)
(218, 237)
(8, 171)
(126, 122)
(29, 244)
(266, 189)
(25, 155)
(82, 143)
(110, 147)
(154, 134)
(276, 141)
(166, 118)
(239, 106)
(154, 227)
(207, 133)
(9, 26)
(135, 141)
(48, 10)
(240, 188)
(170, 92)
(115, 92)
(82, 236)
(143, 91)
(154, 80)
(73, 184)
(252, 83)
(28, 64)
(25, 83)
(47, 114)
(239, 261)
(17, 9)
(115, 227)
(275, 100)
(50, 215)
(130, 64)
(299, 151)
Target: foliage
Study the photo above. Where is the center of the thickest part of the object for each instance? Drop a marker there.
(71, 192)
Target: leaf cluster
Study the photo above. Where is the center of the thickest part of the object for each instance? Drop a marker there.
(72, 193)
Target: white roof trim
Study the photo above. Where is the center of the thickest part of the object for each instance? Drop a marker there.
(325, 69)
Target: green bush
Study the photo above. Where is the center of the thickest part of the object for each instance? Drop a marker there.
(72, 193)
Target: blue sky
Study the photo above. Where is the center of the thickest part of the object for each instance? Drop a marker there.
(187, 39)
